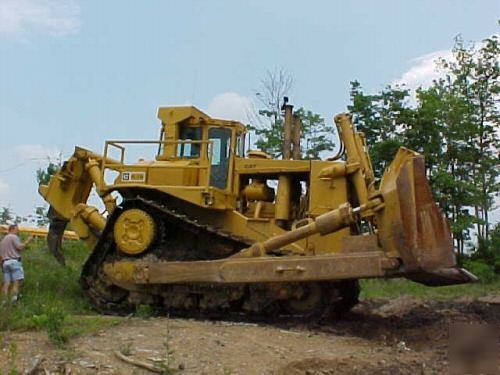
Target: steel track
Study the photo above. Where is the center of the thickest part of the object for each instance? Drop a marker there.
(200, 300)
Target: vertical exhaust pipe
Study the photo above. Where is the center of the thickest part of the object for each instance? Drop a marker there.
(287, 129)
(283, 196)
(297, 123)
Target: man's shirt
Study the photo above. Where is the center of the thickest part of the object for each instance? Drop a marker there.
(10, 247)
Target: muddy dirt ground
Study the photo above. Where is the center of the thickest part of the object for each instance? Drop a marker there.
(400, 336)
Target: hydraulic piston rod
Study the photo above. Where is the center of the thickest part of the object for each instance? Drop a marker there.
(324, 224)
(327, 223)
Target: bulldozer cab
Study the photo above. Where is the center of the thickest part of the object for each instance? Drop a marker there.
(190, 135)
(218, 151)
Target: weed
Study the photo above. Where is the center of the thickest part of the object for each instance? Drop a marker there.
(5, 316)
(166, 370)
(167, 362)
(55, 326)
(52, 298)
(485, 272)
(53, 322)
(144, 311)
(126, 349)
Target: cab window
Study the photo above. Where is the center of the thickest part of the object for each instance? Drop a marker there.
(220, 151)
(240, 145)
(189, 150)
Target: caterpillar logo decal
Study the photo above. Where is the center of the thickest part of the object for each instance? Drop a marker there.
(133, 176)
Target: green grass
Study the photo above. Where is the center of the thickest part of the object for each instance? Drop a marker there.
(51, 296)
(379, 288)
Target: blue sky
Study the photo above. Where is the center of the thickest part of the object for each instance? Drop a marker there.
(79, 72)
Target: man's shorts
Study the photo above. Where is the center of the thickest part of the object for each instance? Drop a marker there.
(12, 270)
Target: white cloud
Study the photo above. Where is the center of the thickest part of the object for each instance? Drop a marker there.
(54, 17)
(423, 70)
(232, 106)
(36, 152)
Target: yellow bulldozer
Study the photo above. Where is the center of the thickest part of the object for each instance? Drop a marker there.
(205, 228)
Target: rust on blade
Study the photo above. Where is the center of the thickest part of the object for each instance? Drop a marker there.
(413, 228)
(425, 228)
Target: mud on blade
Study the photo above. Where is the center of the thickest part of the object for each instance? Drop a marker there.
(412, 224)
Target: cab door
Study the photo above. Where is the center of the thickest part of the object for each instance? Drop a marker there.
(220, 151)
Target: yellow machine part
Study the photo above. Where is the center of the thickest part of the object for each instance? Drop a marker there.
(39, 232)
(134, 231)
(258, 191)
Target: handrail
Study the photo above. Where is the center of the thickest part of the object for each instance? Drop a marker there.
(119, 145)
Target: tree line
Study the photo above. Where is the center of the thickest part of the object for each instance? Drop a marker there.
(454, 123)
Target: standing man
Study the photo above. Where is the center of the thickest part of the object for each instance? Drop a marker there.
(10, 249)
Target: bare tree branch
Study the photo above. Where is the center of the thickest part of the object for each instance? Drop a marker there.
(274, 86)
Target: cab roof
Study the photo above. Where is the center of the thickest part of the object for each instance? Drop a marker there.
(175, 114)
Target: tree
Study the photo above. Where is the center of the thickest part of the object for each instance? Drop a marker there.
(43, 174)
(454, 124)
(481, 88)
(472, 79)
(40, 216)
(437, 131)
(6, 216)
(381, 118)
(424, 133)
(316, 135)
(270, 137)
(273, 88)
(436, 127)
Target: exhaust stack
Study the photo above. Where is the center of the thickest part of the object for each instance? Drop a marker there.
(291, 132)
(297, 124)
(287, 129)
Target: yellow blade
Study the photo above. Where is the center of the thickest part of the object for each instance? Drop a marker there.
(412, 225)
